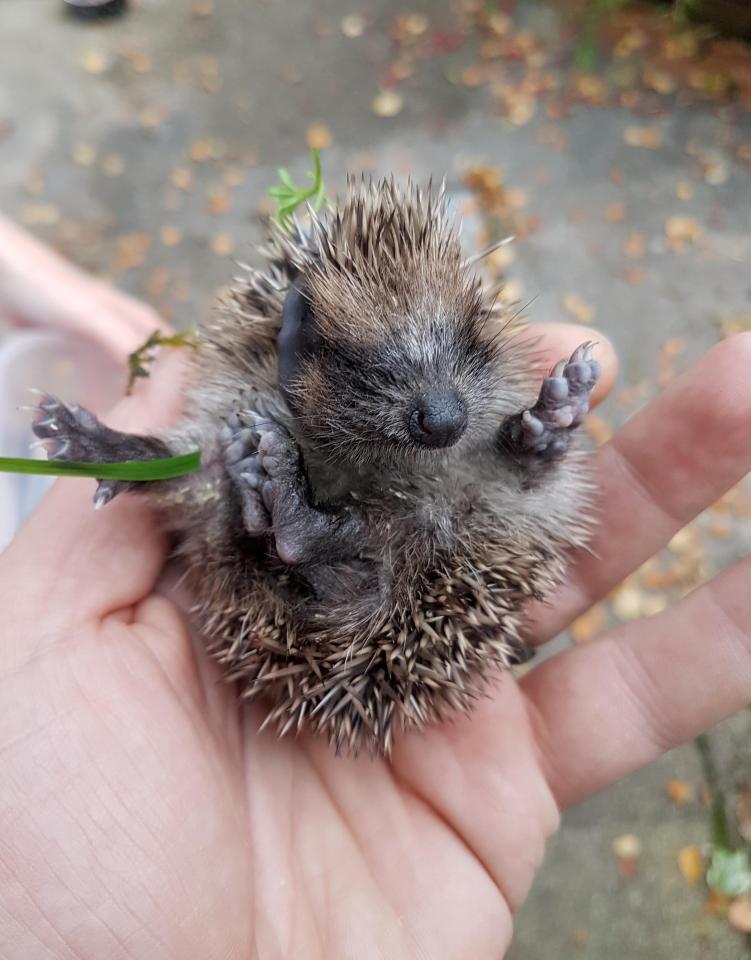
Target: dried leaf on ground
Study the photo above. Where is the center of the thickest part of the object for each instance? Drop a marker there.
(691, 864)
(682, 231)
(589, 624)
(130, 251)
(387, 103)
(679, 792)
(647, 137)
(318, 136)
(578, 309)
(222, 244)
(352, 25)
(93, 61)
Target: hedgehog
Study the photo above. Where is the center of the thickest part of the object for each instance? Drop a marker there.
(386, 477)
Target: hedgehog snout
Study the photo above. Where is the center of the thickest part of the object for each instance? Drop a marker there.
(437, 418)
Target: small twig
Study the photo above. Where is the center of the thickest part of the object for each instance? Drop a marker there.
(141, 359)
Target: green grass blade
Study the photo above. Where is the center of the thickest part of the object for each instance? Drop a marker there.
(133, 470)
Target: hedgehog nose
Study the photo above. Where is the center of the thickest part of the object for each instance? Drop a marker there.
(438, 418)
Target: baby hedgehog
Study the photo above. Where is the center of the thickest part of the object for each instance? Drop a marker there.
(383, 485)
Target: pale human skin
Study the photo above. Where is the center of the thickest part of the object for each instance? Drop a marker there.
(142, 815)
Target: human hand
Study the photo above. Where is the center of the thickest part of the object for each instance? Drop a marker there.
(143, 816)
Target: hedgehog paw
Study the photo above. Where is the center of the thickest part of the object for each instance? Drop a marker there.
(545, 429)
(262, 459)
(71, 433)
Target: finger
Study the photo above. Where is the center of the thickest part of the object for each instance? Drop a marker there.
(74, 560)
(606, 709)
(551, 342)
(68, 299)
(665, 466)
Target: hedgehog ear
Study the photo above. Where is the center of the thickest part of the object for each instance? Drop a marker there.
(297, 337)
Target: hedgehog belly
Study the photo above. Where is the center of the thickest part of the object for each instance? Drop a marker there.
(360, 673)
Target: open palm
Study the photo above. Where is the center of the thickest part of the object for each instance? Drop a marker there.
(142, 815)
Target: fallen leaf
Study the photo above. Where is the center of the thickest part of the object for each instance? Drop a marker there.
(318, 136)
(220, 202)
(627, 602)
(648, 137)
(93, 61)
(516, 198)
(387, 103)
(579, 936)
(679, 792)
(598, 428)
(130, 251)
(200, 150)
(715, 171)
(511, 293)
(40, 214)
(182, 179)
(352, 25)
(586, 627)
(635, 245)
(84, 155)
(500, 260)
(684, 190)
(201, 9)
(409, 26)
(627, 846)
(157, 282)
(34, 182)
(140, 62)
(666, 359)
(682, 231)
(233, 177)
(691, 864)
(153, 117)
(627, 849)
(170, 236)
(113, 165)
(659, 80)
(615, 212)
(717, 903)
(578, 309)
(222, 244)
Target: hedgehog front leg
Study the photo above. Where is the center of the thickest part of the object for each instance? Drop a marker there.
(266, 466)
(543, 432)
(73, 434)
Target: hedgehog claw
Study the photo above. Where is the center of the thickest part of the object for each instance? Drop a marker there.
(544, 430)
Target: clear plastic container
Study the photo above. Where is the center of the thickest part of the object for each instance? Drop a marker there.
(66, 365)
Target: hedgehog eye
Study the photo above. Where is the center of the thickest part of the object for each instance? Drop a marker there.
(297, 338)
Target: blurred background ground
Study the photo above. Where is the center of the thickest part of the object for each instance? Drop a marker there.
(142, 149)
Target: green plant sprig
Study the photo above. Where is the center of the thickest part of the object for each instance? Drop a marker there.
(128, 470)
(140, 360)
(289, 196)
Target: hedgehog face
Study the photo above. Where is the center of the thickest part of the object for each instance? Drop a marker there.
(395, 378)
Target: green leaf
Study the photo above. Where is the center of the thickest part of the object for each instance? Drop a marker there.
(730, 871)
(288, 195)
(133, 470)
